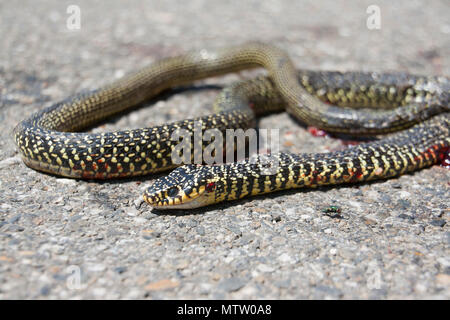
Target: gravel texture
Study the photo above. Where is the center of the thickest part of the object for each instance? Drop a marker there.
(62, 238)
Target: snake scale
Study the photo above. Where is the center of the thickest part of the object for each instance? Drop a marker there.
(49, 140)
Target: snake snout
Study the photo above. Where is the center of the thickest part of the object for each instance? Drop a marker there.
(182, 187)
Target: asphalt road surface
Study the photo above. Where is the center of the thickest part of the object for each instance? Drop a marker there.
(63, 238)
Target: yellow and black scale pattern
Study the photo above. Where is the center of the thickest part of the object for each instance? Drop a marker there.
(48, 141)
(112, 154)
(192, 186)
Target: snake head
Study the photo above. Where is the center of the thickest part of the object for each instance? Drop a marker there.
(189, 186)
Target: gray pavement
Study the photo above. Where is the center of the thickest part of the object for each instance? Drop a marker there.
(62, 238)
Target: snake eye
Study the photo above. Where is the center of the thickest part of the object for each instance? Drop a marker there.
(172, 192)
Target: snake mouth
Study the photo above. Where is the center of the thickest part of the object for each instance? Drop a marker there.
(183, 200)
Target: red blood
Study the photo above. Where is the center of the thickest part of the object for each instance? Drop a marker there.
(444, 157)
(350, 142)
(316, 132)
(358, 173)
(355, 174)
(210, 187)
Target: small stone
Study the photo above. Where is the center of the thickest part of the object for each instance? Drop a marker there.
(68, 182)
(45, 290)
(437, 213)
(368, 221)
(162, 285)
(419, 229)
(378, 294)
(15, 218)
(438, 222)
(328, 291)
(305, 217)
(276, 217)
(325, 259)
(285, 258)
(420, 287)
(404, 195)
(278, 241)
(405, 216)
(150, 234)
(201, 230)
(246, 239)
(120, 270)
(291, 212)
(6, 259)
(259, 210)
(15, 228)
(231, 284)
(235, 230)
(5, 206)
(256, 224)
(139, 220)
(443, 279)
(444, 262)
(205, 288)
(99, 292)
(138, 202)
(385, 198)
(96, 212)
(283, 284)
(182, 264)
(97, 268)
(405, 204)
(192, 223)
(265, 268)
(132, 211)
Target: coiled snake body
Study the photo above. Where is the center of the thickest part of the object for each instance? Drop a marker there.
(47, 141)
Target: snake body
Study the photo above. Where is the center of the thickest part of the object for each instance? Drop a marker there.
(192, 186)
(48, 141)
